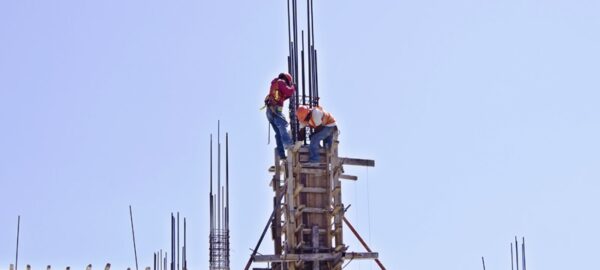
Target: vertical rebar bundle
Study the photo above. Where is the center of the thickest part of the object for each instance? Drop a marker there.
(299, 68)
(219, 211)
(178, 253)
(293, 63)
(514, 260)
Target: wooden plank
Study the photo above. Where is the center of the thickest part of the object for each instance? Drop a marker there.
(314, 210)
(309, 231)
(337, 232)
(315, 245)
(298, 190)
(349, 177)
(313, 171)
(336, 209)
(314, 190)
(358, 162)
(291, 183)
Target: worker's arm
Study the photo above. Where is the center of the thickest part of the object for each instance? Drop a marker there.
(285, 90)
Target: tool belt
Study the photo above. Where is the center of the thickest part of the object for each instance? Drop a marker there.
(273, 108)
(276, 108)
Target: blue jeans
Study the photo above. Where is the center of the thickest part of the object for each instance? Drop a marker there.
(279, 124)
(325, 135)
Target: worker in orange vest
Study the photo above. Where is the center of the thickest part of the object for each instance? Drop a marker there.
(324, 126)
(281, 89)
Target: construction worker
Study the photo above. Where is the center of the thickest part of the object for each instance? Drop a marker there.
(324, 129)
(281, 89)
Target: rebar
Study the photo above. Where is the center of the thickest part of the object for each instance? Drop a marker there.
(218, 174)
(310, 59)
(184, 246)
(523, 254)
(516, 253)
(133, 235)
(316, 80)
(512, 259)
(17, 250)
(178, 253)
(227, 182)
(219, 229)
(172, 242)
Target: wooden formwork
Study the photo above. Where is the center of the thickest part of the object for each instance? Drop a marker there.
(307, 228)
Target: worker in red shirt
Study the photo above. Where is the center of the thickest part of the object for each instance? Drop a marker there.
(324, 126)
(281, 89)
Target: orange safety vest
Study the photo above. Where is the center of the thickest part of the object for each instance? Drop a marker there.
(327, 119)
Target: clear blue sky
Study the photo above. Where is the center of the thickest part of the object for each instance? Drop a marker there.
(483, 118)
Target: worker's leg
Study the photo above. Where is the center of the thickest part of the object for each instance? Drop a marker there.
(279, 124)
(279, 146)
(328, 141)
(282, 124)
(315, 141)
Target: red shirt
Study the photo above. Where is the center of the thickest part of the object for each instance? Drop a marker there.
(280, 91)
